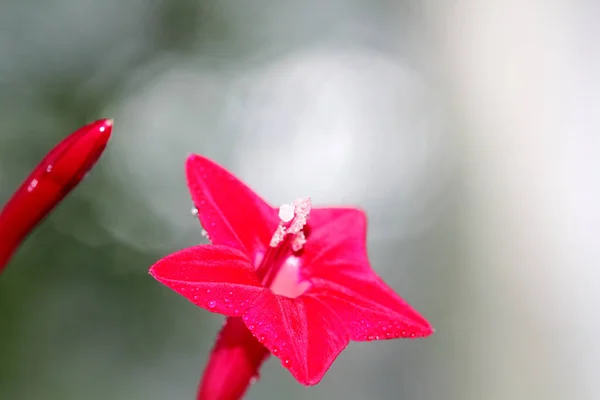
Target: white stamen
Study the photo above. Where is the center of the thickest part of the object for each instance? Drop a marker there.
(299, 241)
(297, 214)
(302, 207)
(278, 236)
(286, 212)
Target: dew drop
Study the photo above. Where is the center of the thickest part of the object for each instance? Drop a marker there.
(275, 351)
(194, 211)
(212, 304)
(253, 380)
(246, 318)
(207, 291)
(226, 300)
(32, 185)
(49, 168)
(287, 363)
(412, 335)
(204, 233)
(261, 338)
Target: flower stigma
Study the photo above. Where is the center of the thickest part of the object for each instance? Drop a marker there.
(279, 269)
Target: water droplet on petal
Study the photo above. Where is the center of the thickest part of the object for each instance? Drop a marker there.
(287, 363)
(194, 211)
(275, 351)
(212, 304)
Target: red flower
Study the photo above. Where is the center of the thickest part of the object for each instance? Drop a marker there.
(294, 281)
(54, 177)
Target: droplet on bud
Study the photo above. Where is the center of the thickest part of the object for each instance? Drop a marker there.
(195, 211)
(50, 181)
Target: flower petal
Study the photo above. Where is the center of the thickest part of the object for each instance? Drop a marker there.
(218, 278)
(305, 334)
(335, 235)
(369, 308)
(232, 214)
(50, 181)
(233, 364)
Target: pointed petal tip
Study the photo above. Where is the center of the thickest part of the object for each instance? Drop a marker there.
(425, 330)
(191, 158)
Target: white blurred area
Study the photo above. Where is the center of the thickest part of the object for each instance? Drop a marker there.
(344, 126)
(525, 77)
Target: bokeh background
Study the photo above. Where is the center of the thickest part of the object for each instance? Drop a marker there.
(467, 129)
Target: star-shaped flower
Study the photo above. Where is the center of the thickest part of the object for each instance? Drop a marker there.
(295, 282)
(49, 182)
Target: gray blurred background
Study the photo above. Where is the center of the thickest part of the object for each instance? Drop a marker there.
(467, 129)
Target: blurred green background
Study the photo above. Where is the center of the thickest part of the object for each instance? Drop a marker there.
(466, 129)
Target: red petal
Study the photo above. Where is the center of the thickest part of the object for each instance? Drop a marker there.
(369, 308)
(217, 278)
(232, 214)
(233, 364)
(302, 332)
(51, 180)
(336, 235)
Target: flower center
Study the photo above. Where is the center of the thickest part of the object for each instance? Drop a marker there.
(279, 269)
